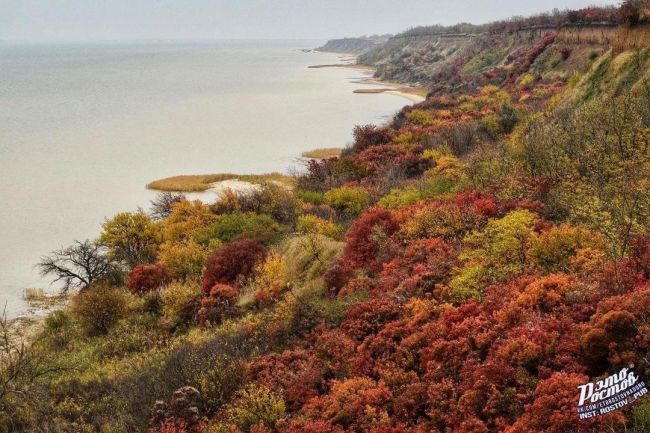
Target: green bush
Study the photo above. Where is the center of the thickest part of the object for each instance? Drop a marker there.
(348, 201)
(311, 197)
(641, 416)
(495, 253)
(58, 329)
(57, 321)
(397, 198)
(229, 227)
(151, 303)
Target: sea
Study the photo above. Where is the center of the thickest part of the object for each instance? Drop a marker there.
(84, 127)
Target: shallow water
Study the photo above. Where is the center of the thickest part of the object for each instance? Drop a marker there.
(84, 127)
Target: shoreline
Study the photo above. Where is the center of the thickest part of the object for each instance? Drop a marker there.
(27, 324)
(413, 93)
(30, 321)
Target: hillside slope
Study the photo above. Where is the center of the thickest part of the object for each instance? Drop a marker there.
(462, 269)
(467, 57)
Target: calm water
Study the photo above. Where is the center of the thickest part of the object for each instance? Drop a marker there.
(84, 127)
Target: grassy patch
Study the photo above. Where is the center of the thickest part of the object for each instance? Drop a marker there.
(597, 78)
(328, 152)
(203, 182)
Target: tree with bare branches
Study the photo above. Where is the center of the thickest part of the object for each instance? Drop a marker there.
(79, 265)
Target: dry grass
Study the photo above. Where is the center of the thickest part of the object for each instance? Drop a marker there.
(203, 182)
(328, 152)
(637, 38)
(309, 256)
(39, 298)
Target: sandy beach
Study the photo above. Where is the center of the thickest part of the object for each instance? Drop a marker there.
(414, 94)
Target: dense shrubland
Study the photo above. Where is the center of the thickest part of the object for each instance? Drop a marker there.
(462, 269)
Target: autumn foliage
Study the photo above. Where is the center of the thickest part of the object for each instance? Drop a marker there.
(233, 263)
(148, 277)
(461, 269)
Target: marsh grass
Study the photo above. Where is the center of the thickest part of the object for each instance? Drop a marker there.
(36, 296)
(203, 182)
(323, 153)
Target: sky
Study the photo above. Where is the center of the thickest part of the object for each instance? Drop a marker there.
(109, 20)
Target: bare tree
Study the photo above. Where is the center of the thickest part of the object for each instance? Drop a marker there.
(79, 265)
(162, 205)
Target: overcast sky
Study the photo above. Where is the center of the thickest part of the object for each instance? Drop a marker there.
(86, 20)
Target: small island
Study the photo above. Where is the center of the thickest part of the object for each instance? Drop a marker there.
(204, 182)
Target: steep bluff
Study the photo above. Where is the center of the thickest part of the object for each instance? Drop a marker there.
(466, 61)
(352, 45)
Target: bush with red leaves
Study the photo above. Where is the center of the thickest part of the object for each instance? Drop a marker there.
(364, 239)
(180, 415)
(367, 318)
(641, 254)
(355, 403)
(147, 278)
(420, 267)
(220, 304)
(553, 409)
(630, 12)
(296, 375)
(370, 135)
(363, 247)
(232, 264)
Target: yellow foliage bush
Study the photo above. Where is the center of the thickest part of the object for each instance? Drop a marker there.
(176, 297)
(421, 118)
(271, 275)
(553, 250)
(311, 224)
(186, 219)
(185, 259)
(255, 405)
(494, 254)
(131, 237)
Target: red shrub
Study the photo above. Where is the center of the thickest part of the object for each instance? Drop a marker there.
(296, 375)
(357, 403)
(148, 277)
(370, 135)
(391, 158)
(300, 426)
(220, 304)
(619, 332)
(233, 263)
(334, 349)
(553, 410)
(369, 317)
(180, 415)
(362, 247)
(424, 264)
(630, 12)
(337, 276)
